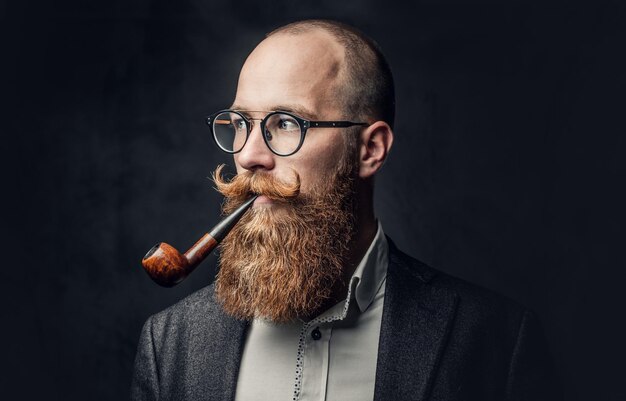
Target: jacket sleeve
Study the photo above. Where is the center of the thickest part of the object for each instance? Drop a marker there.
(145, 382)
(531, 372)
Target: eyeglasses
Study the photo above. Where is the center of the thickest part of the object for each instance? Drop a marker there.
(283, 132)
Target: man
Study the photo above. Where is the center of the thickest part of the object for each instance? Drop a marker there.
(312, 301)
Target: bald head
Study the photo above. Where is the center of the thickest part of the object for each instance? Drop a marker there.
(307, 69)
(366, 88)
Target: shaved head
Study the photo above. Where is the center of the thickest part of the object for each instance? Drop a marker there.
(366, 90)
(310, 64)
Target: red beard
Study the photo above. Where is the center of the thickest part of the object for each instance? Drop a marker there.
(284, 262)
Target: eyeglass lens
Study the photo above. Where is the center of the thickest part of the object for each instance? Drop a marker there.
(282, 132)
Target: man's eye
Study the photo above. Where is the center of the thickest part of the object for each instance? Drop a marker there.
(288, 124)
(239, 124)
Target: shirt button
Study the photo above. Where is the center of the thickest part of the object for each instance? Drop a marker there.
(316, 334)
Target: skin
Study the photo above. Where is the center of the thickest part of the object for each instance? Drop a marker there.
(300, 73)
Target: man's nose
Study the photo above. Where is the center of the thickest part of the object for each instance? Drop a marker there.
(255, 155)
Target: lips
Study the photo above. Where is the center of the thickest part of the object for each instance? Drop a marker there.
(262, 200)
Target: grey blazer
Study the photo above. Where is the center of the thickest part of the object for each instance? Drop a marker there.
(441, 339)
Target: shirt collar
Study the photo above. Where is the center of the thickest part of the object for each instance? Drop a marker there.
(371, 271)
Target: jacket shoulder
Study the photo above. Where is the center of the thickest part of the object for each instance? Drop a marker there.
(197, 311)
(190, 349)
(495, 348)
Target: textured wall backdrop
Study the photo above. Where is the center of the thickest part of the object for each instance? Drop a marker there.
(508, 167)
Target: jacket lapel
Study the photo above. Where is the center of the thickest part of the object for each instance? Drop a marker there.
(417, 317)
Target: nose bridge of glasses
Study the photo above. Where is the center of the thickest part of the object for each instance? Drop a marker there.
(251, 123)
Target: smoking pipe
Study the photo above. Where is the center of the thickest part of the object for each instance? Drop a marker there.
(168, 267)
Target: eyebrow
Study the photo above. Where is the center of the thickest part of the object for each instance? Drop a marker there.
(299, 110)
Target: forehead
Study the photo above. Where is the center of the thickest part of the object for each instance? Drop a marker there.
(302, 70)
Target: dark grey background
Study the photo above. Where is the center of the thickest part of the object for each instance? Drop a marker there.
(508, 167)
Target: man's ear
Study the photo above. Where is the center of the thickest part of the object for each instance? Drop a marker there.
(375, 143)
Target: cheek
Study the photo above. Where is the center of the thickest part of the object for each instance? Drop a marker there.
(317, 168)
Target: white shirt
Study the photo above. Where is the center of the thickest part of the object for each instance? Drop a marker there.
(332, 357)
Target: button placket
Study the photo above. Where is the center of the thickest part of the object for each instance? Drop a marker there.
(302, 340)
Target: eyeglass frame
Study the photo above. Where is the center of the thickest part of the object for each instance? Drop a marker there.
(302, 122)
